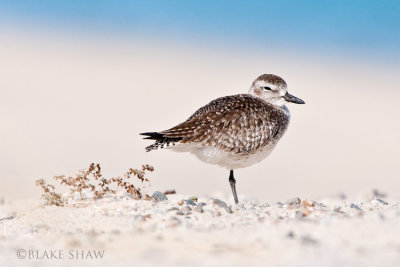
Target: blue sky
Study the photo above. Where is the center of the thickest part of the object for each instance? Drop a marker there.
(360, 26)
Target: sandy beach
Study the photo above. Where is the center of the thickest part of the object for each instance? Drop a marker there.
(207, 231)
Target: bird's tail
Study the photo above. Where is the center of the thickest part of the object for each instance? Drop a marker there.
(161, 141)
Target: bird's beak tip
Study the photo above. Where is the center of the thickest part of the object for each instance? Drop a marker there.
(291, 98)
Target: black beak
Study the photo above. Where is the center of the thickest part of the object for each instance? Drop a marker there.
(291, 98)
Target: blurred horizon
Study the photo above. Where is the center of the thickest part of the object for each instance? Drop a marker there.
(80, 80)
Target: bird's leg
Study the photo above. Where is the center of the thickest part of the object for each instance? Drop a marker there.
(232, 182)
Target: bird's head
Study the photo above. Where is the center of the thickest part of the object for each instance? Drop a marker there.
(272, 89)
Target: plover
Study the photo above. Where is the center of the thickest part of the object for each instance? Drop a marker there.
(233, 131)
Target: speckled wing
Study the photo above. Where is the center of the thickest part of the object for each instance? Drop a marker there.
(239, 124)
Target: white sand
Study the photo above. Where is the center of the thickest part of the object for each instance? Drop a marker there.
(336, 232)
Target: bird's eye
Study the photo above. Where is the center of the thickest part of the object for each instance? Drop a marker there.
(267, 88)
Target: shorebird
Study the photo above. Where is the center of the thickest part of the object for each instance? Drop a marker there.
(233, 131)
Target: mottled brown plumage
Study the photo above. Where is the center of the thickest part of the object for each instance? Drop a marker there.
(240, 124)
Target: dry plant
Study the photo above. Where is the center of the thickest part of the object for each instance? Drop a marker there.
(51, 197)
(93, 181)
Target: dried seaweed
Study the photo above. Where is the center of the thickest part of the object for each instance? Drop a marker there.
(92, 180)
(51, 197)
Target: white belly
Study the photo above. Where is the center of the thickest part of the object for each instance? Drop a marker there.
(228, 160)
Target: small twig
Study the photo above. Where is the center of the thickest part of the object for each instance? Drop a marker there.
(170, 192)
(7, 218)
